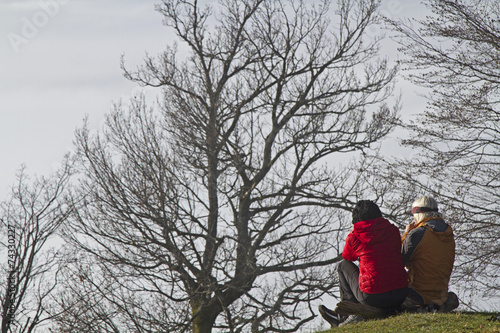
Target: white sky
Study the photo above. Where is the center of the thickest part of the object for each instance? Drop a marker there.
(59, 61)
(64, 68)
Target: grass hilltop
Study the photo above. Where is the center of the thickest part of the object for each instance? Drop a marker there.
(428, 322)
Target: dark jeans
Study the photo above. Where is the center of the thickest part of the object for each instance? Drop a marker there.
(415, 297)
(349, 289)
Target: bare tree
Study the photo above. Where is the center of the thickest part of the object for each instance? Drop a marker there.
(221, 206)
(29, 220)
(455, 53)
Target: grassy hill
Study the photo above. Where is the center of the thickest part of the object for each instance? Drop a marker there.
(428, 322)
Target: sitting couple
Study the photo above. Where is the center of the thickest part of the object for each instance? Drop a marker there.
(427, 251)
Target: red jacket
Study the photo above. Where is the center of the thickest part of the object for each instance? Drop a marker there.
(377, 245)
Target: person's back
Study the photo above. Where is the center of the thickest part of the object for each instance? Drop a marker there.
(429, 252)
(376, 244)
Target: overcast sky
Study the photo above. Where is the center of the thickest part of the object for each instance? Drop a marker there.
(60, 62)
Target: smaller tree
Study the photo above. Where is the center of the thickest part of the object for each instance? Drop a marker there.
(29, 221)
(455, 54)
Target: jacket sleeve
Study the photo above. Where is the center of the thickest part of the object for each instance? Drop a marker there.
(411, 242)
(349, 252)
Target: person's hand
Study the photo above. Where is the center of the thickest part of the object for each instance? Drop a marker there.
(409, 226)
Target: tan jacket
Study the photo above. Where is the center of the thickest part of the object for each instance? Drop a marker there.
(431, 262)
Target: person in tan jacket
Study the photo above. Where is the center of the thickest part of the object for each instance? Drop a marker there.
(428, 249)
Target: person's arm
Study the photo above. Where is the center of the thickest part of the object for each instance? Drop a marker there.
(411, 242)
(349, 252)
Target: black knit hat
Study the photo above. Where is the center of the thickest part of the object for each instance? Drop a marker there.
(365, 210)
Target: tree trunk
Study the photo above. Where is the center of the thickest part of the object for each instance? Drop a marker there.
(203, 317)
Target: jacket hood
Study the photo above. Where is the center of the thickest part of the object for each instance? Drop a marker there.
(436, 224)
(372, 230)
(440, 228)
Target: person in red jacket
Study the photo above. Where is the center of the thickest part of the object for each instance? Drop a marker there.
(381, 279)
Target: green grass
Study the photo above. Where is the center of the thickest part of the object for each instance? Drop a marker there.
(427, 322)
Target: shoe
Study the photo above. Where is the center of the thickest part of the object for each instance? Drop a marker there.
(451, 302)
(352, 319)
(329, 315)
(412, 305)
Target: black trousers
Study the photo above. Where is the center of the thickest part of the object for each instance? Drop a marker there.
(349, 289)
